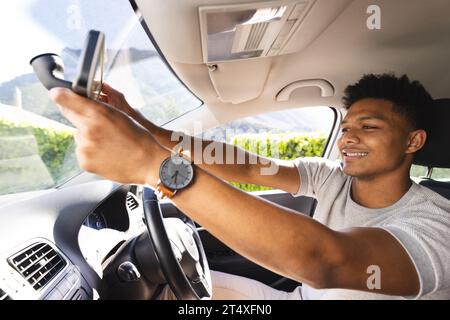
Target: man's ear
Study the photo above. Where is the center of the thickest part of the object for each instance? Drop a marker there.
(416, 140)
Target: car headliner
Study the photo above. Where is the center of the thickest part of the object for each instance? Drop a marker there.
(333, 43)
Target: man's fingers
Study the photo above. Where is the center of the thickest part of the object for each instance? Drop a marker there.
(68, 104)
(112, 94)
(103, 97)
(64, 97)
(74, 102)
(75, 107)
(106, 88)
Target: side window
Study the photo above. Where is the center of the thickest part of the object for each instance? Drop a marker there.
(37, 147)
(441, 174)
(437, 173)
(418, 171)
(285, 135)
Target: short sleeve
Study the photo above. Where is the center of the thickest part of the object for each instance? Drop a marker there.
(315, 173)
(424, 234)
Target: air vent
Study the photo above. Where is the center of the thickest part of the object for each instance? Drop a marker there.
(38, 264)
(4, 295)
(132, 202)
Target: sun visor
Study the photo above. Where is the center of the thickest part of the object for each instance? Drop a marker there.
(239, 81)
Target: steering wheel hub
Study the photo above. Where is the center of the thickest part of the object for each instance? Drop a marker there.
(186, 270)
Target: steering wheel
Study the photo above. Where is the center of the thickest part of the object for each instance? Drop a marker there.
(179, 250)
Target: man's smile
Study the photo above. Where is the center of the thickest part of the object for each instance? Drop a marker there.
(350, 154)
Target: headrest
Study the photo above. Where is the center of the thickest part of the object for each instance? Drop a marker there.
(436, 151)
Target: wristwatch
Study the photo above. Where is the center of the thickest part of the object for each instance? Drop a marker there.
(175, 173)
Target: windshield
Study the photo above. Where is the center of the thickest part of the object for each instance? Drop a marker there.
(37, 149)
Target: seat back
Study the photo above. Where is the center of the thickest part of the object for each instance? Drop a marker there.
(443, 188)
(436, 151)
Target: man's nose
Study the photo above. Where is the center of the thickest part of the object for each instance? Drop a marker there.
(349, 136)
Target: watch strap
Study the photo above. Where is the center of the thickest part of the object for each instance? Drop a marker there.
(163, 192)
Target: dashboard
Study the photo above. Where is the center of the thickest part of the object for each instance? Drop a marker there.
(61, 244)
(109, 225)
(52, 246)
(96, 220)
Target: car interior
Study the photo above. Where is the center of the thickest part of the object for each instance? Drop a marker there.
(86, 238)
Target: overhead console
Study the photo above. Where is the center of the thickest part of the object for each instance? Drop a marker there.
(236, 32)
(230, 33)
(242, 31)
(236, 43)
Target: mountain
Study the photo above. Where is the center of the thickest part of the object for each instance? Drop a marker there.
(26, 90)
(298, 120)
(306, 120)
(142, 75)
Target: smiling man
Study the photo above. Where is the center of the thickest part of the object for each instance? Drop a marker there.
(371, 218)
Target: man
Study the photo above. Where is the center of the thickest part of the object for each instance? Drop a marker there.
(371, 219)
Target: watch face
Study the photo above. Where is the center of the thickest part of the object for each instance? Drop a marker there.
(176, 173)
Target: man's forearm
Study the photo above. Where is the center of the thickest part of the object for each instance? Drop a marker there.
(275, 237)
(225, 161)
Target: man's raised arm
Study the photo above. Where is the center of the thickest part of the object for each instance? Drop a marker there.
(278, 238)
(224, 161)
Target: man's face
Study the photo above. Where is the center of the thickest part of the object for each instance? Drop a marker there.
(373, 139)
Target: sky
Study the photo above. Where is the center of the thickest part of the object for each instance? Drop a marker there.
(19, 40)
(31, 27)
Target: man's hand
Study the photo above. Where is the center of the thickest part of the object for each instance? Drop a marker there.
(116, 99)
(285, 175)
(109, 143)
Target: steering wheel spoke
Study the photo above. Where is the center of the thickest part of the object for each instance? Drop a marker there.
(179, 250)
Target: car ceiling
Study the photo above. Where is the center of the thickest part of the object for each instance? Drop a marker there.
(332, 43)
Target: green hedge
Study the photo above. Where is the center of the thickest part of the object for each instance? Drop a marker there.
(54, 147)
(287, 146)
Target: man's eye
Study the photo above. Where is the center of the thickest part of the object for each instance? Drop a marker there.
(369, 127)
(343, 130)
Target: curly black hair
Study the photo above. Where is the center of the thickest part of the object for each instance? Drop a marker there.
(409, 98)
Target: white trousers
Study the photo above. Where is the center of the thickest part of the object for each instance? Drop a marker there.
(231, 287)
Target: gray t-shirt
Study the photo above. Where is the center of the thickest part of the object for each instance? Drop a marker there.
(420, 221)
